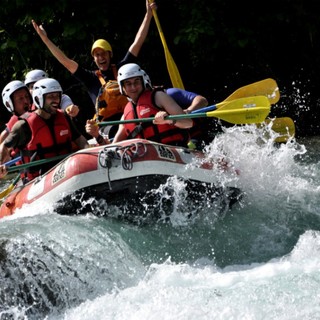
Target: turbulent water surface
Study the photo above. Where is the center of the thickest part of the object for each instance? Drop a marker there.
(258, 260)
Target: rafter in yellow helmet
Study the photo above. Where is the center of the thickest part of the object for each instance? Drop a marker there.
(102, 44)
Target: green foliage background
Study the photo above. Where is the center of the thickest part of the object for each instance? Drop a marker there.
(217, 45)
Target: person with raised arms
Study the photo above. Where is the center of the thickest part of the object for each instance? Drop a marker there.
(145, 102)
(101, 51)
(42, 134)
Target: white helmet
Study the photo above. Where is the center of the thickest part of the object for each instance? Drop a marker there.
(146, 80)
(34, 76)
(7, 92)
(131, 70)
(43, 87)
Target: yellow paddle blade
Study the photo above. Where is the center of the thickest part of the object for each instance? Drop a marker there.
(267, 87)
(243, 111)
(284, 126)
(6, 191)
(171, 66)
(173, 71)
(12, 185)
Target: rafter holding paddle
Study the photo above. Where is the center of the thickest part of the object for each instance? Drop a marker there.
(267, 87)
(238, 111)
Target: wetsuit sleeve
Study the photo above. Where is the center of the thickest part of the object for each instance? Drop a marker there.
(90, 81)
(182, 97)
(65, 102)
(128, 58)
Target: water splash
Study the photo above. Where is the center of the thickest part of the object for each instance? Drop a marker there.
(282, 288)
(48, 267)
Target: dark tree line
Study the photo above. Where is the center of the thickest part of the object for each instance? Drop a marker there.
(218, 46)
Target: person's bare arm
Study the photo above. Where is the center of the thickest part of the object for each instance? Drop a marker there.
(72, 110)
(121, 133)
(197, 103)
(4, 156)
(170, 107)
(3, 135)
(82, 142)
(68, 63)
(92, 128)
(143, 30)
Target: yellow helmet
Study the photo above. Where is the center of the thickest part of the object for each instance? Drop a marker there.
(102, 44)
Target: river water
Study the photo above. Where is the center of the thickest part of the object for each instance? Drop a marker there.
(258, 260)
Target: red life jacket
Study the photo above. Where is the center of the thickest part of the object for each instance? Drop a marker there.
(11, 122)
(164, 133)
(46, 142)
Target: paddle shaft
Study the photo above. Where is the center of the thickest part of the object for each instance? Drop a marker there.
(37, 163)
(12, 161)
(239, 111)
(172, 117)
